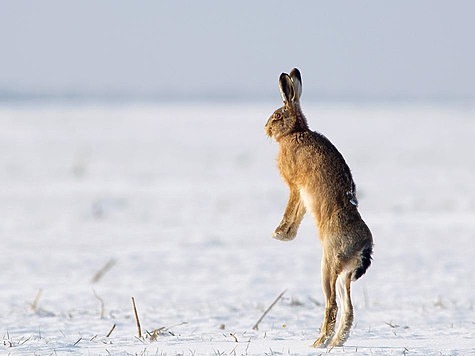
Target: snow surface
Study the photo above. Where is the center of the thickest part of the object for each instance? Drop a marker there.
(183, 199)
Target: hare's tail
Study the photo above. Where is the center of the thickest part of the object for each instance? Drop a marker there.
(365, 262)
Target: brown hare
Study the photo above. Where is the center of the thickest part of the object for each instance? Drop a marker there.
(321, 183)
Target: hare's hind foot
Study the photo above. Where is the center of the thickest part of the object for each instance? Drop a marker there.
(336, 343)
(331, 341)
(322, 341)
(341, 335)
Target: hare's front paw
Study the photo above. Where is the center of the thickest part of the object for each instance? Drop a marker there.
(284, 233)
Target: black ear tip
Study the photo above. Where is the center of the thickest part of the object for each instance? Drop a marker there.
(296, 73)
(284, 79)
(286, 87)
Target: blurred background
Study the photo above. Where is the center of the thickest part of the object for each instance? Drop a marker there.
(194, 50)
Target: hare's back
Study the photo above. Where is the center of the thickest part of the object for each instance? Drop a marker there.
(328, 161)
(326, 151)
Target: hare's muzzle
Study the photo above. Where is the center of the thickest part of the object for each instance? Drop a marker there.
(268, 127)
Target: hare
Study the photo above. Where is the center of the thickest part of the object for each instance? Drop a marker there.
(321, 183)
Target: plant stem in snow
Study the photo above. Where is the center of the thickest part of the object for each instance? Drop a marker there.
(256, 326)
(139, 329)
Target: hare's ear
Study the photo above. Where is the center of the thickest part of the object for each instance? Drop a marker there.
(286, 88)
(297, 80)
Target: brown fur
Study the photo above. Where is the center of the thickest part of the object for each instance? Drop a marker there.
(321, 183)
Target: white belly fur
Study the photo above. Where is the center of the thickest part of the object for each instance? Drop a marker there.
(307, 200)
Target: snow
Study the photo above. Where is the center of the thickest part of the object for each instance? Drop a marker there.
(183, 200)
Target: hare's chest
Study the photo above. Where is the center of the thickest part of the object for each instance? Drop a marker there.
(296, 163)
(288, 166)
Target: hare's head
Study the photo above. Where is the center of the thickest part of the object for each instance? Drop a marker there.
(289, 118)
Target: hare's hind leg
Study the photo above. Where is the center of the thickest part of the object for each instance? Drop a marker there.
(293, 215)
(346, 319)
(329, 278)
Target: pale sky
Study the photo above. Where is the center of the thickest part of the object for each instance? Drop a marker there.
(374, 50)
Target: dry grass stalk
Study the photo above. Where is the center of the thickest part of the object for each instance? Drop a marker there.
(34, 305)
(111, 330)
(153, 336)
(256, 326)
(101, 314)
(139, 329)
(99, 274)
(22, 342)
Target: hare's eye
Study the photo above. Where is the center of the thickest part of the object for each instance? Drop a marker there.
(278, 116)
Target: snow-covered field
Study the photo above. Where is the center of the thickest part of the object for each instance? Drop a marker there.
(181, 202)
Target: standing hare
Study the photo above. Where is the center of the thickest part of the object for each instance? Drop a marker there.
(320, 182)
